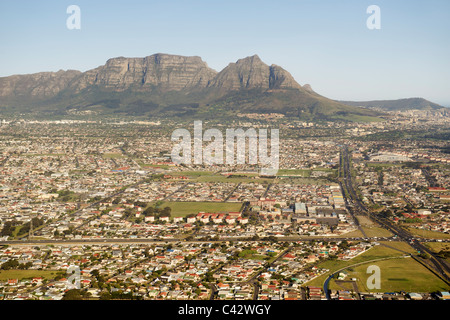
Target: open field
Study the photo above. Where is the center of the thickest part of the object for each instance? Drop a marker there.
(376, 252)
(398, 274)
(377, 232)
(365, 221)
(438, 247)
(181, 209)
(429, 234)
(150, 165)
(294, 172)
(370, 232)
(191, 173)
(112, 155)
(27, 274)
(233, 179)
(300, 180)
(382, 164)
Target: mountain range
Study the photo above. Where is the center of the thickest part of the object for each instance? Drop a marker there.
(167, 85)
(396, 105)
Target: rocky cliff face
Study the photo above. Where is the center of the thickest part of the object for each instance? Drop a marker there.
(251, 73)
(168, 85)
(163, 71)
(168, 72)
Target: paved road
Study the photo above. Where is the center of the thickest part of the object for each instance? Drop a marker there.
(327, 281)
(92, 205)
(440, 266)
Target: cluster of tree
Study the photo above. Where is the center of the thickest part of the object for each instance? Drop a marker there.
(75, 294)
(8, 228)
(14, 264)
(424, 255)
(26, 227)
(445, 254)
(344, 245)
(413, 220)
(65, 195)
(157, 212)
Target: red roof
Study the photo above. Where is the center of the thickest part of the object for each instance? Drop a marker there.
(436, 189)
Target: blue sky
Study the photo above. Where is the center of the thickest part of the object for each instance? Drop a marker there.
(321, 42)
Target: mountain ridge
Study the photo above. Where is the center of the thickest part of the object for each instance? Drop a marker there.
(171, 85)
(415, 103)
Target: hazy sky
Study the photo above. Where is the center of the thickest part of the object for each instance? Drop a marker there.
(325, 43)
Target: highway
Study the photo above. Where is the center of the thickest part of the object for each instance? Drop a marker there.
(159, 240)
(439, 265)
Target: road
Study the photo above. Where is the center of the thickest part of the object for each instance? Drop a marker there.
(347, 189)
(439, 265)
(327, 281)
(158, 241)
(93, 205)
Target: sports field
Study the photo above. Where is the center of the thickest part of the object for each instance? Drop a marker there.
(27, 274)
(181, 209)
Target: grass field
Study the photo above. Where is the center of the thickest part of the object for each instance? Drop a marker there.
(191, 173)
(27, 274)
(294, 172)
(370, 232)
(181, 209)
(376, 232)
(396, 274)
(150, 165)
(382, 164)
(112, 155)
(399, 274)
(234, 179)
(300, 180)
(429, 234)
(438, 246)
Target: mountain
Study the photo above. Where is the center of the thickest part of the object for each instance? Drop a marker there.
(252, 73)
(171, 86)
(396, 105)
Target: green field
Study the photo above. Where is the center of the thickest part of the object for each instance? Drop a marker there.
(382, 164)
(234, 179)
(294, 172)
(376, 252)
(112, 155)
(396, 274)
(27, 274)
(300, 180)
(181, 209)
(428, 234)
(191, 173)
(150, 165)
(399, 274)
(437, 247)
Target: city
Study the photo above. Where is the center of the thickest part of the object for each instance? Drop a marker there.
(138, 226)
(222, 158)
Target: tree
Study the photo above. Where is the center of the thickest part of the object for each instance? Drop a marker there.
(105, 295)
(166, 212)
(73, 294)
(149, 211)
(10, 264)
